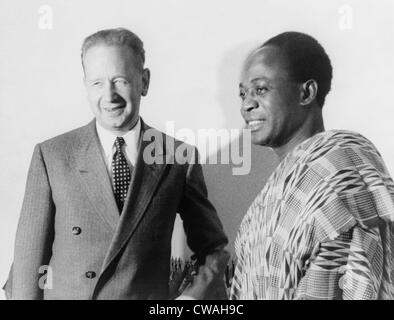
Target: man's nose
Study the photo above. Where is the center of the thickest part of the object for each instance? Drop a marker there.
(109, 92)
(248, 105)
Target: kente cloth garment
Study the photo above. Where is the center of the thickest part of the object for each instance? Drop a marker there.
(322, 227)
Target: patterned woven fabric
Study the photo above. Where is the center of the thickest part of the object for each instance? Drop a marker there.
(322, 227)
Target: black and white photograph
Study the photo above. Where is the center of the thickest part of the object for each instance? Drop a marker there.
(197, 150)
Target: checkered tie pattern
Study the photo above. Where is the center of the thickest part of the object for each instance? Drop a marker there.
(121, 174)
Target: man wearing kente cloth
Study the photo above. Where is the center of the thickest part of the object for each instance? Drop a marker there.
(322, 226)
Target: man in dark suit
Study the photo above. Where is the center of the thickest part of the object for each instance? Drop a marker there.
(98, 213)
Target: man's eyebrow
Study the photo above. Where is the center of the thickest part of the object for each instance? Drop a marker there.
(112, 78)
(259, 79)
(119, 75)
(92, 79)
(241, 86)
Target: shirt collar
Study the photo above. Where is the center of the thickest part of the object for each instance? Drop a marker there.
(107, 138)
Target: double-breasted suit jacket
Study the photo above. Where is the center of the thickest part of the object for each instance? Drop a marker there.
(70, 224)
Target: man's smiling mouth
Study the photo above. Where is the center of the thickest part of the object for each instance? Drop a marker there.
(254, 125)
(114, 108)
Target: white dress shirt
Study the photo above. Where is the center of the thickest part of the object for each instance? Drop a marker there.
(129, 149)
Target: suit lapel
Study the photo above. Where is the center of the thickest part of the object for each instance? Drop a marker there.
(92, 172)
(145, 180)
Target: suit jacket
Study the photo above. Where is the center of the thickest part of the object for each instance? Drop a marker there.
(70, 222)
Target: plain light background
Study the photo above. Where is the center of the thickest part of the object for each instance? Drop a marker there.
(194, 50)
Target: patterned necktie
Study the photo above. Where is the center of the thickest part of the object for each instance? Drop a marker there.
(120, 173)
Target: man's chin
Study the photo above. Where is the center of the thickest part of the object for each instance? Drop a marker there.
(120, 126)
(111, 125)
(260, 141)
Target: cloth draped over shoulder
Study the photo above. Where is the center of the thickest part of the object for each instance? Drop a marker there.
(322, 227)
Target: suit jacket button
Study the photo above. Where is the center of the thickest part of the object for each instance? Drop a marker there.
(76, 231)
(90, 274)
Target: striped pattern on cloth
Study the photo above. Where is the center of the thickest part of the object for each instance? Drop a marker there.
(322, 227)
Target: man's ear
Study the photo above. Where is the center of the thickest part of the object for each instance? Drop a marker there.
(145, 81)
(308, 92)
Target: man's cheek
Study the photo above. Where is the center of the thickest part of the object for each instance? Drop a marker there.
(93, 95)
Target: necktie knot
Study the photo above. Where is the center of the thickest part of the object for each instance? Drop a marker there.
(119, 142)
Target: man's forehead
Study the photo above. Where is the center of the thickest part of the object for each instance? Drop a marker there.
(102, 55)
(101, 47)
(267, 55)
(265, 62)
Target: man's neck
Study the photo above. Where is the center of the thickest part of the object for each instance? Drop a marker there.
(313, 125)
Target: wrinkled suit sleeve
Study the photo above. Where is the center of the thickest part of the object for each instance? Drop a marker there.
(202, 226)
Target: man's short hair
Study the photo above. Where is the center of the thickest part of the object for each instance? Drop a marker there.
(116, 37)
(306, 60)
